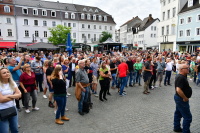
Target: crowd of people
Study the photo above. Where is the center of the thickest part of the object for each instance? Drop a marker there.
(26, 74)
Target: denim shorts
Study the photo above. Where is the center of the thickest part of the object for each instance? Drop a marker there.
(50, 89)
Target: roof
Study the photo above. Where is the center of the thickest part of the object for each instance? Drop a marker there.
(196, 4)
(148, 24)
(127, 22)
(135, 23)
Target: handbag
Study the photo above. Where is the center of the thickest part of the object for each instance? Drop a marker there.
(7, 113)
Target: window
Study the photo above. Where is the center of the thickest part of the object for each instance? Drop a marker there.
(8, 20)
(100, 27)
(45, 33)
(151, 35)
(100, 18)
(44, 23)
(53, 23)
(94, 26)
(163, 15)
(154, 35)
(83, 36)
(25, 10)
(198, 18)
(65, 24)
(66, 15)
(181, 21)
(83, 26)
(36, 22)
(95, 37)
(88, 26)
(168, 1)
(69, 24)
(6, 9)
(110, 27)
(94, 17)
(190, 3)
(88, 16)
(36, 33)
(163, 30)
(26, 33)
(88, 36)
(164, 3)
(85, 9)
(0, 32)
(155, 28)
(72, 16)
(35, 12)
(180, 33)
(44, 13)
(188, 32)
(105, 18)
(168, 14)
(82, 16)
(74, 35)
(90, 10)
(53, 14)
(189, 19)
(173, 27)
(198, 31)
(174, 11)
(74, 24)
(9, 32)
(25, 21)
(96, 10)
(105, 27)
(151, 27)
(167, 30)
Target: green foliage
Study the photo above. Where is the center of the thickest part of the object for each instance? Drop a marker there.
(59, 34)
(104, 36)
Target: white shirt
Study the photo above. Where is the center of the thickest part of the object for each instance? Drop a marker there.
(169, 66)
(6, 90)
(73, 66)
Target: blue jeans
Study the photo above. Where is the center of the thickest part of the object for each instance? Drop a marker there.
(84, 98)
(61, 103)
(130, 77)
(182, 110)
(167, 77)
(114, 79)
(11, 123)
(198, 80)
(123, 83)
(138, 77)
(134, 77)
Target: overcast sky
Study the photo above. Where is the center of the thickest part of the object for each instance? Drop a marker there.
(123, 10)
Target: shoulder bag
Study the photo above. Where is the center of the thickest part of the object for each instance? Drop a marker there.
(7, 113)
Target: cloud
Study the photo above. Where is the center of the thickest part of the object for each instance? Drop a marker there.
(123, 10)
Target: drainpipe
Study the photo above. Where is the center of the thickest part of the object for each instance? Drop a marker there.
(16, 27)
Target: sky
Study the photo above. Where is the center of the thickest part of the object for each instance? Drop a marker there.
(122, 10)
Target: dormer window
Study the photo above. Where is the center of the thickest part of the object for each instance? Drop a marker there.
(66, 15)
(100, 18)
(35, 12)
(96, 10)
(72, 16)
(105, 18)
(88, 16)
(94, 17)
(53, 14)
(44, 13)
(82, 16)
(6, 9)
(25, 10)
(90, 10)
(190, 3)
(85, 10)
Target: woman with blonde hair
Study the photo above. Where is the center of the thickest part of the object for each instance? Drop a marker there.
(8, 93)
(45, 66)
(28, 84)
(59, 86)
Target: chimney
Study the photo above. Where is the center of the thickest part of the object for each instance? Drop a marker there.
(150, 17)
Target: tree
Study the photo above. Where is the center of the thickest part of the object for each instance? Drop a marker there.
(59, 34)
(104, 36)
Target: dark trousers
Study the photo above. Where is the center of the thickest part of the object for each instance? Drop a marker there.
(22, 97)
(73, 77)
(167, 77)
(104, 89)
(182, 111)
(152, 80)
(195, 77)
(39, 80)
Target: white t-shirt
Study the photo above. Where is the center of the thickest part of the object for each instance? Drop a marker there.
(6, 90)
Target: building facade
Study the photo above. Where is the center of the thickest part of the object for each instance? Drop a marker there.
(188, 36)
(167, 27)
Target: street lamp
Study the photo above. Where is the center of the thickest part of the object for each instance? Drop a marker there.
(165, 40)
(34, 38)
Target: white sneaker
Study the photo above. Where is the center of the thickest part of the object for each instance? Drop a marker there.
(55, 112)
(44, 96)
(68, 94)
(36, 109)
(27, 111)
(66, 109)
(96, 95)
(155, 86)
(152, 87)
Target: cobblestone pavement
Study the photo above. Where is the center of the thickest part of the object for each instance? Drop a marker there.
(134, 113)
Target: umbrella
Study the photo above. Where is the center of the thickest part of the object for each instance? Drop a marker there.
(69, 44)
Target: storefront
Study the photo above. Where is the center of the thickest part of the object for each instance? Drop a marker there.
(189, 47)
(8, 45)
(166, 46)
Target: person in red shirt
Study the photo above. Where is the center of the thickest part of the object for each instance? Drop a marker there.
(123, 70)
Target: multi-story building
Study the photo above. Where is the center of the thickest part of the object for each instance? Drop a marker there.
(167, 28)
(117, 35)
(35, 17)
(7, 24)
(188, 35)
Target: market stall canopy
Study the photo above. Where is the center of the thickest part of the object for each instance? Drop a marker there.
(7, 44)
(42, 45)
(109, 40)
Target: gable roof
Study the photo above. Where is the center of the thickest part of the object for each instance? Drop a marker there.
(147, 24)
(196, 4)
